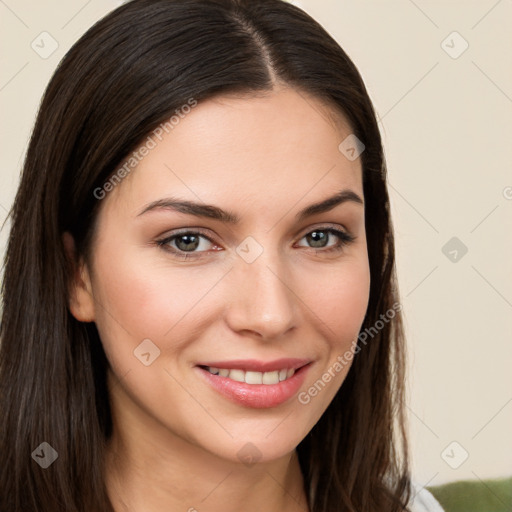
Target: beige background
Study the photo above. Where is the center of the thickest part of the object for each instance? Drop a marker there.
(447, 128)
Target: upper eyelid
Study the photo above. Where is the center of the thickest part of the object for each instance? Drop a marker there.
(326, 227)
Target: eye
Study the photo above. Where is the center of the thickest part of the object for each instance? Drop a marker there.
(186, 243)
(320, 237)
(195, 244)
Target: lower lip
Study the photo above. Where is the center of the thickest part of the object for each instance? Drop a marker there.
(258, 396)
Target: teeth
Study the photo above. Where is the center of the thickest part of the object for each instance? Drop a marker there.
(270, 378)
(253, 377)
(250, 377)
(238, 375)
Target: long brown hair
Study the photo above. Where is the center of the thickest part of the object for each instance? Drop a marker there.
(124, 77)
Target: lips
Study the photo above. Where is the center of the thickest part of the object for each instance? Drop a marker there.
(254, 383)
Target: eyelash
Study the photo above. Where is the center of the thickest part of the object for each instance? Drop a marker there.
(344, 237)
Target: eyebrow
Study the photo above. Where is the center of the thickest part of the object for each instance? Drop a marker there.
(214, 212)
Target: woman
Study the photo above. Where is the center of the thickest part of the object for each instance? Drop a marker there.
(200, 309)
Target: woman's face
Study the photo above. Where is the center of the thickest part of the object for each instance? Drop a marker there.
(173, 292)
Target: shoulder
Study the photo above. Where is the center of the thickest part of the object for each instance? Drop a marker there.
(422, 500)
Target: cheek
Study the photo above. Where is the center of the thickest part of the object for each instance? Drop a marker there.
(141, 297)
(340, 299)
(341, 307)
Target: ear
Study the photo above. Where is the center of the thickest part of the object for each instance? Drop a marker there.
(81, 302)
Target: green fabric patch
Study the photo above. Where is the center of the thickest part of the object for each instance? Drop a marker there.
(475, 495)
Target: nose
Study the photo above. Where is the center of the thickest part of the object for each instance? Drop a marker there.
(262, 300)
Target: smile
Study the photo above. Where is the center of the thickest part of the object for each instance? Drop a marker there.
(255, 384)
(251, 377)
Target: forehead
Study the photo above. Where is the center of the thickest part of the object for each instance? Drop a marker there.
(278, 146)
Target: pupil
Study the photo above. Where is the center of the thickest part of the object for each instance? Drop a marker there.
(191, 242)
(318, 238)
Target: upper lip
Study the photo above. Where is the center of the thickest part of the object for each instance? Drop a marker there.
(258, 366)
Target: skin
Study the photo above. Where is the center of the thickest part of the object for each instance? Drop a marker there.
(176, 439)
